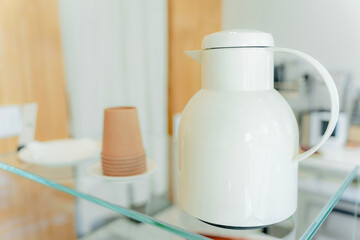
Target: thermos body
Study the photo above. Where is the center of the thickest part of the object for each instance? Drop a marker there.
(238, 137)
(236, 158)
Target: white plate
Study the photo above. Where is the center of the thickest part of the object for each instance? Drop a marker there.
(95, 170)
(59, 153)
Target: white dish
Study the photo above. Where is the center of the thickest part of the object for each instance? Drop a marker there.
(59, 153)
(95, 170)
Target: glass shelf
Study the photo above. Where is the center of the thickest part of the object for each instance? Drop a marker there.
(321, 188)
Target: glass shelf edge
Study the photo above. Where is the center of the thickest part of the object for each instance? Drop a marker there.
(124, 211)
(309, 233)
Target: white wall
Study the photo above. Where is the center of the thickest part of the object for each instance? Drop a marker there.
(115, 54)
(327, 30)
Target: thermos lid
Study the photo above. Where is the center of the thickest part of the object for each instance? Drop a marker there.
(237, 38)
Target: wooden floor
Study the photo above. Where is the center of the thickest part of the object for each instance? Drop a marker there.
(32, 211)
(31, 65)
(31, 70)
(189, 22)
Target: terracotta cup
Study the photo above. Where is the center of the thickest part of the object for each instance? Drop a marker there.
(123, 167)
(104, 155)
(122, 173)
(124, 160)
(136, 164)
(123, 153)
(122, 136)
(108, 169)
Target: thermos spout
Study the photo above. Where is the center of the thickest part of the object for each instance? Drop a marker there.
(195, 54)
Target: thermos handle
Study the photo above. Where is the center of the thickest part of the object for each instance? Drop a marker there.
(334, 98)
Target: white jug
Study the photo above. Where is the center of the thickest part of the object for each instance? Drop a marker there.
(238, 137)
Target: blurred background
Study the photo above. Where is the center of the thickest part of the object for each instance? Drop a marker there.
(62, 62)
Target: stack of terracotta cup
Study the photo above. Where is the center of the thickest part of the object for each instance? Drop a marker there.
(122, 153)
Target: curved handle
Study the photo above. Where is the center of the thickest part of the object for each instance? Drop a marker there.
(334, 98)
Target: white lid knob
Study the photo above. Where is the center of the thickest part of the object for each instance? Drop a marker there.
(237, 38)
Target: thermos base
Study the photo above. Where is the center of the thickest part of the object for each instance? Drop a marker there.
(234, 227)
